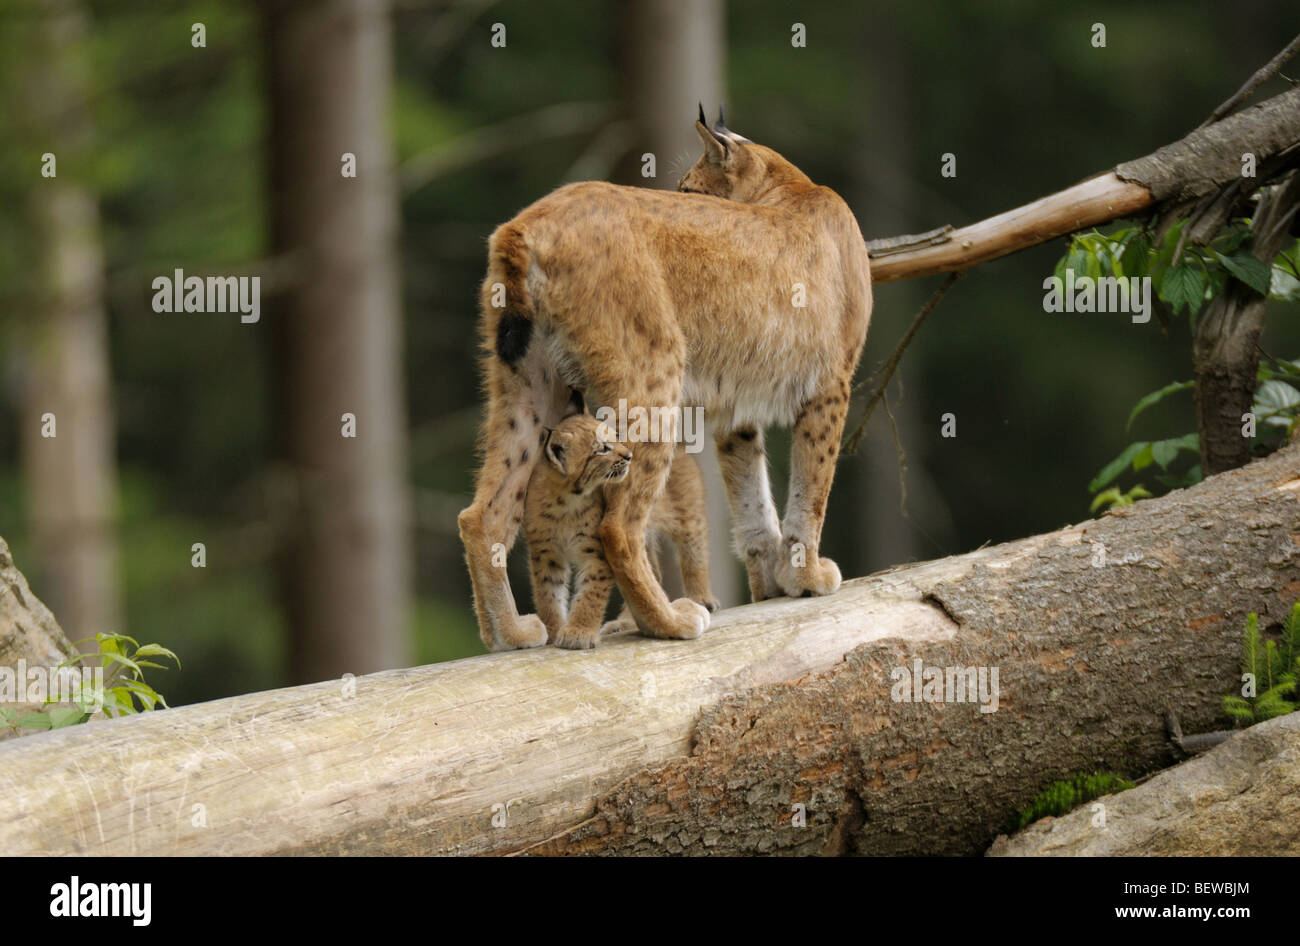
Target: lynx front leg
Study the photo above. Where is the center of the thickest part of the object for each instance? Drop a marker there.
(582, 631)
(623, 535)
(550, 585)
(624, 620)
(815, 446)
(756, 529)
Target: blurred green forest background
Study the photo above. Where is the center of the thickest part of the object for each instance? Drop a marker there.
(179, 165)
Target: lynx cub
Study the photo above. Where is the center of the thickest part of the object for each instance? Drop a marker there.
(562, 512)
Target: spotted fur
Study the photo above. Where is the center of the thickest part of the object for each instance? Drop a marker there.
(563, 509)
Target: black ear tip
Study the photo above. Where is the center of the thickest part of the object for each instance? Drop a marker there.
(722, 119)
(703, 121)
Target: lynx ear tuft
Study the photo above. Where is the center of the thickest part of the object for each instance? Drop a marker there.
(703, 120)
(555, 452)
(716, 150)
(721, 130)
(576, 405)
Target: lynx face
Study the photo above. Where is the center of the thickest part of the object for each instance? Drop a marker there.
(585, 453)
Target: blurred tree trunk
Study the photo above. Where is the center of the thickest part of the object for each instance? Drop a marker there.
(67, 419)
(345, 566)
(673, 57)
(874, 529)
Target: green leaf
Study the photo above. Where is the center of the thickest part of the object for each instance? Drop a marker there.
(1156, 397)
(64, 716)
(123, 660)
(34, 721)
(1253, 272)
(155, 650)
(1184, 285)
(1137, 255)
(1275, 397)
(117, 702)
(116, 639)
(1164, 253)
(1106, 497)
(1164, 452)
(1079, 259)
(1117, 466)
(1284, 286)
(145, 693)
(1143, 459)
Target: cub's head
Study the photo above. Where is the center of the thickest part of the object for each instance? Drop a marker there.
(584, 452)
(734, 168)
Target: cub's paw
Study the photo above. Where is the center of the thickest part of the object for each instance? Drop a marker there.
(707, 601)
(619, 625)
(820, 576)
(528, 631)
(571, 638)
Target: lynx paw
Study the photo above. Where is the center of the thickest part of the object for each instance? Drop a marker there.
(762, 565)
(619, 625)
(707, 601)
(691, 619)
(571, 638)
(529, 631)
(820, 576)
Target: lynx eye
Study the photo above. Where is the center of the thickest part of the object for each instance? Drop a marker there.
(602, 448)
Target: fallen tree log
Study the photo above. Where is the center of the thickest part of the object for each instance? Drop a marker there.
(1240, 799)
(1192, 167)
(777, 731)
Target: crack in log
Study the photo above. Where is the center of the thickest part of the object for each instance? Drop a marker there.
(937, 603)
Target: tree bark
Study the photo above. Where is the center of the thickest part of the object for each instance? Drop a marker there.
(67, 418)
(28, 631)
(1225, 345)
(1240, 799)
(345, 559)
(645, 746)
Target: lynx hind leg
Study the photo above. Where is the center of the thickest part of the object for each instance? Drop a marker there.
(683, 516)
(623, 534)
(815, 445)
(520, 402)
(742, 459)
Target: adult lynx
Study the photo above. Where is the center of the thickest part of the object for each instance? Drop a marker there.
(748, 293)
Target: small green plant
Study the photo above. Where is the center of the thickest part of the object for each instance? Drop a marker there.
(1185, 276)
(1064, 796)
(122, 661)
(1269, 673)
(1113, 498)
